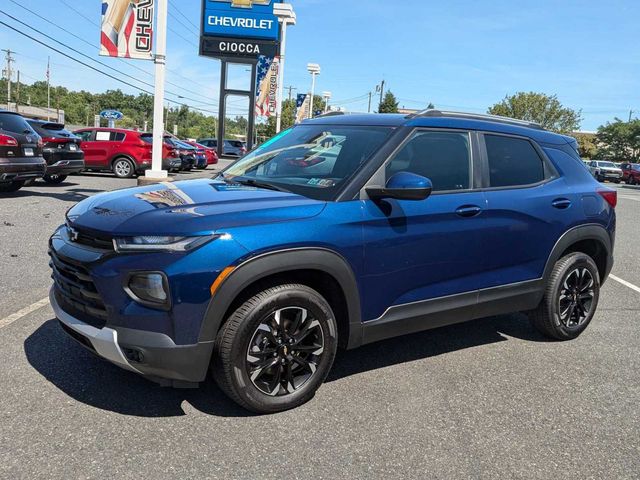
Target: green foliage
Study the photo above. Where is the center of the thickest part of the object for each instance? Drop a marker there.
(539, 108)
(389, 104)
(619, 141)
(587, 145)
(81, 106)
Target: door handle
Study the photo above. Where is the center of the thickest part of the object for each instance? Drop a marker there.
(469, 211)
(561, 203)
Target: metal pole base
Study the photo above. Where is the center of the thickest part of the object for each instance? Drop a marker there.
(150, 177)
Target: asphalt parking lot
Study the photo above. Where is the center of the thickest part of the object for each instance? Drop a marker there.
(489, 399)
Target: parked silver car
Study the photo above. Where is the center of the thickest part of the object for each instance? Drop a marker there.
(603, 171)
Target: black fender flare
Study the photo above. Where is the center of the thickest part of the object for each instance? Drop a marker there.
(281, 261)
(582, 232)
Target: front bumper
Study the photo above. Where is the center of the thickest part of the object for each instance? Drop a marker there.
(150, 354)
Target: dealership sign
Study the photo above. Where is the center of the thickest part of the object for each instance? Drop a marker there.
(127, 29)
(111, 115)
(242, 19)
(230, 47)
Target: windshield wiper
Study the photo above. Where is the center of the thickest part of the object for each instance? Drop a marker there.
(254, 183)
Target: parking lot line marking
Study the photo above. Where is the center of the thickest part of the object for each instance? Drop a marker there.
(629, 198)
(625, 283)
(6, 321)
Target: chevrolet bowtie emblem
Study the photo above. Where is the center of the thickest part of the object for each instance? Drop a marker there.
(248, 3)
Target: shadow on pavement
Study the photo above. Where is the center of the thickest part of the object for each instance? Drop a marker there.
(69, 195)
(95, 382)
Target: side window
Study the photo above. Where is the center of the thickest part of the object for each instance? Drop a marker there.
(85, 136)
(103, 136)
(513, 162)
(117, 137)
(442, 157)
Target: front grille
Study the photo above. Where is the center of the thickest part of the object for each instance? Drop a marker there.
(95, 241)
(76, 293)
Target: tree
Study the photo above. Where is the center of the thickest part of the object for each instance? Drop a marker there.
(587, 145)
(619, 141)
(539, 108)
(389, 104)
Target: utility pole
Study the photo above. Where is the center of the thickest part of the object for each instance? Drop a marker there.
(291, 89)
(381, 91)
(160, 60)
(18, 93)
(370, 95)
(48, 89)
(631, 112)
(8, 73)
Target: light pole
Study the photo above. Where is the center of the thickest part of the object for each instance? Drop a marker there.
(156, 173)
(286, 16)
(327, 97)
(314, 70)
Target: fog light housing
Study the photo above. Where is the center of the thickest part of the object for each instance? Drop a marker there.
(150, 289)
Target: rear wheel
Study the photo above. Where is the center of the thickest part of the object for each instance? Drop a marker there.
(123, 168)
(54, 179)
(276, 349)
(570, 300)
(11, 187)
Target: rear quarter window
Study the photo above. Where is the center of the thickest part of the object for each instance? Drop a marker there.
(14, 123)
(513, 162)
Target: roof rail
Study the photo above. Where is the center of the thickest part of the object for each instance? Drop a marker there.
(477, 116)
(330, 114)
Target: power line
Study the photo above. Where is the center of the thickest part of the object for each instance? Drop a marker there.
(97, 69)
(136, 67)
(183, 15)
(98, 61)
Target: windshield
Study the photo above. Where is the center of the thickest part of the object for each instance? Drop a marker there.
(607, 164)
(10, 122)
(635, 167)
(310, 160)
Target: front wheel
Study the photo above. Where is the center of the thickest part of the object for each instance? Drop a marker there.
(55, 179)
(570, 299)
(276, 349)
(123, 168)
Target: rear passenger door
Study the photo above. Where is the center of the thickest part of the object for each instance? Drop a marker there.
(529, 206)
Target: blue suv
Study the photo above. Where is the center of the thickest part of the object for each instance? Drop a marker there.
(339, 232)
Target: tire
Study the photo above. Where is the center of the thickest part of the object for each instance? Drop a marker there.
(54, 179)
(11, 187)
(123, 168)
(616, 181)
(549, 317)
(250, 335)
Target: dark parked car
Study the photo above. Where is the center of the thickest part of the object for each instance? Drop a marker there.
(61, 150)
(631, 173)
(231, 148)
(121, 151)
(20, 152)
(186, 152)
(409, 223)
(206, 156)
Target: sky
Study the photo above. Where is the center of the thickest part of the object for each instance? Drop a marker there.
(462, 55)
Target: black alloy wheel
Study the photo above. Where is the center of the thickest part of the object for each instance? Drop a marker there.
(285, 351)
(576, 297)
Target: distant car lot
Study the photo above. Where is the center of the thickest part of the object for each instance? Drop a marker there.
(482, 400)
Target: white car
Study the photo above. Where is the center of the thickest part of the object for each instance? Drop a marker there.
(603, 171)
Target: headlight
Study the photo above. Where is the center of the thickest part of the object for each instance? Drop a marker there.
(156, 244)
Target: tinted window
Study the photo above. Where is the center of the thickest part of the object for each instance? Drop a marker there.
(513, 162)
(311, 160)
(84, 136)
(442, 157)
(14, 123)
(117, 137)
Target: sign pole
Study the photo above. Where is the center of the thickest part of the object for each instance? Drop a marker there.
(156, 172)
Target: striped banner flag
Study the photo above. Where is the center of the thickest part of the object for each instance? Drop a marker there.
(127, 29)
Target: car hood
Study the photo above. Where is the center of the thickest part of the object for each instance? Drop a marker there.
(611, 169)
(194, 207)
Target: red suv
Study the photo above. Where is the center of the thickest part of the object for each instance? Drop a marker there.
(124, 152)
(631, 173)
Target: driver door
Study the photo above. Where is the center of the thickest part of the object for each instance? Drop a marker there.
(422, 250)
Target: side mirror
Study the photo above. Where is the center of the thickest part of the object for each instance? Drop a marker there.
(403, 186)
